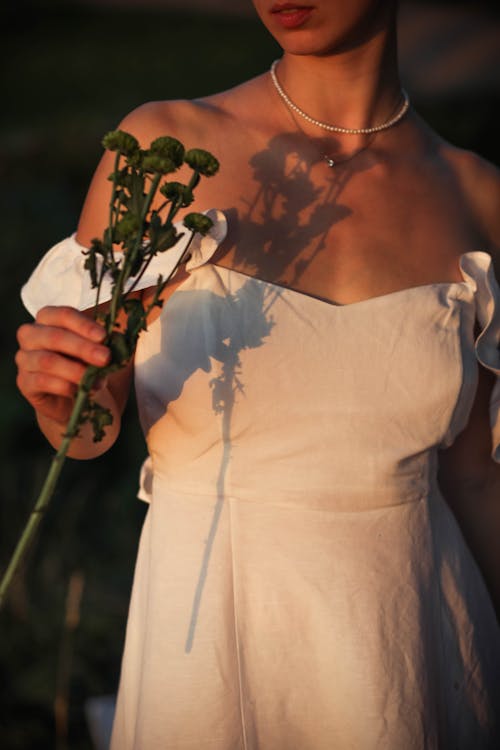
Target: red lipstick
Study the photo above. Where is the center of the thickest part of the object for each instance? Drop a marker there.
(291, 15)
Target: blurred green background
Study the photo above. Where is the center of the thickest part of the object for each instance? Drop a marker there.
(70, 72)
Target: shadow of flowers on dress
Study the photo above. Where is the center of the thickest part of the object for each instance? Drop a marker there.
(251, 324)
(199, 328)
(206, 329)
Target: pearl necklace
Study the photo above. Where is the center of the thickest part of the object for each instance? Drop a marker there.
(337, 128)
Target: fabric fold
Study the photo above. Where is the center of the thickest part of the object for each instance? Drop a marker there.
(477, 269)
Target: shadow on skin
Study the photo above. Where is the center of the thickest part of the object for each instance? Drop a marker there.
(290, 219)
(202, 328)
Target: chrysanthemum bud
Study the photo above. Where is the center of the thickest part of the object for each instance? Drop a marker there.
(198, 223)
(158, 164)
(119, 140)
(177, 192)
(168, 148)
(202, 161)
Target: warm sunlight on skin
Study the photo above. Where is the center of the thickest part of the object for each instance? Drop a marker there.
(315, 421)
(324, 27)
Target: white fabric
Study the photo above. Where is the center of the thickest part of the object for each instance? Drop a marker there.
(478, 271)
(60, 278)
(301, 583)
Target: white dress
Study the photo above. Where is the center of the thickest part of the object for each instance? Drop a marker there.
(301, 583)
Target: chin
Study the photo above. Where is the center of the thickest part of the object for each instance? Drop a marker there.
(331, 27)
(313, 45)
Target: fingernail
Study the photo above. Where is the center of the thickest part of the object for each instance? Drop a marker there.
(97, 333)
(101, 355)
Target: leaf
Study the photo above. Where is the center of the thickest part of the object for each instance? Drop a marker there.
(136, 321)
(154, 231)
(118, 176)
(168, 237)
(120, 350)
(136, 263)
(123, 197)
(99, 417)
(90, 263)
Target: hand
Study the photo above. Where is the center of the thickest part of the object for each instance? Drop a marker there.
(53, 354)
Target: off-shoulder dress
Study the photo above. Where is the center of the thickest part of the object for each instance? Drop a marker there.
(301, 584)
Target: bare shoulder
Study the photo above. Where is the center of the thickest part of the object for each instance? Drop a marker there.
(181, 118)
(480, 182)
(194, 120)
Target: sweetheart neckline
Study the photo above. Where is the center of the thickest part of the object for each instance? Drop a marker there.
(411, 289)
(377, 299)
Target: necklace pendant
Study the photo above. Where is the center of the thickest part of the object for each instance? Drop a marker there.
(330, 162)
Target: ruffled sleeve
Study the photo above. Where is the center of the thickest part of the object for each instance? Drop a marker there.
(61, 279)
(478, 271)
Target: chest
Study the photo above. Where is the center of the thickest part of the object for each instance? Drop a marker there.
(282, 378)
(344, 234)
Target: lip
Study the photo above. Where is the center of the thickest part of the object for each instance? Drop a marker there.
(291, 15)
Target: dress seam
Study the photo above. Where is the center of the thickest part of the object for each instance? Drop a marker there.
(442, 721)
(235, 620)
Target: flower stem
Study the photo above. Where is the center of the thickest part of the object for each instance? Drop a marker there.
(49, 485)
(130, 257)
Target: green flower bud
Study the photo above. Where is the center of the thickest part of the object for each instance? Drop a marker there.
(135, 159)
(158, 164)
(119, 140)
(202, 161)
(168, 148)
(198, 223)
(177, 193)
(127, 225)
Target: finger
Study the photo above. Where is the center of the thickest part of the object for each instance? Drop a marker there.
(55, 408)
(72, 319)
(36, 337)
(36, 386)
(50, 363)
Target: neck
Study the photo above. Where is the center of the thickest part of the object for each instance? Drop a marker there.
(357, 87)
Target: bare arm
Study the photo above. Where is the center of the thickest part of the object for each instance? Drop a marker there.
(55, 350)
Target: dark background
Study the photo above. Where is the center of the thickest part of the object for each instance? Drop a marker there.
(70, 72)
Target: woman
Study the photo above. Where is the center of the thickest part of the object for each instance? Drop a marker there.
(309, 394)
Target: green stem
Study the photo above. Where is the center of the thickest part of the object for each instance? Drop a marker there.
(49, 485)
(176, 205)
(113, 193)
(138, 278)
(130, 256)
(174, 209)
(102, 273)
(112, 215)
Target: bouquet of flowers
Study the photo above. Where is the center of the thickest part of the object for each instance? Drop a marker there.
(136, 232)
